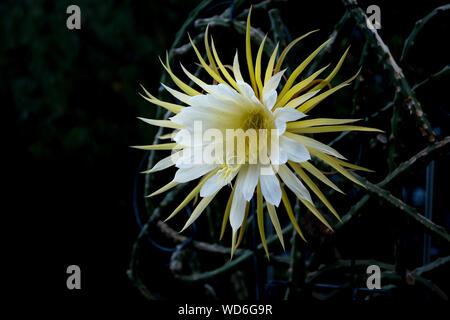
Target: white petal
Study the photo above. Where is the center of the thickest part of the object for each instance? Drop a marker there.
(237, 211)
(272, 83)
(212, 185)
(295, 150)
(270, 187)
(294, 103)
(192, 172)
(166, 162)
(283, 115)
(249, 175)
(237, 69)
(293, 183)
(177, 94)
(246, 89)
(288, 114)
(280, 158)
(269, 99)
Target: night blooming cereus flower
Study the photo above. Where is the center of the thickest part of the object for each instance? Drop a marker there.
(249, 136)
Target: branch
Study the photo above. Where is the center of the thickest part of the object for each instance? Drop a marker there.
(412, 212)
(441, 73)
(431, 266)
(420, 156)
(230, 265)
(418, 27)
(395, 72)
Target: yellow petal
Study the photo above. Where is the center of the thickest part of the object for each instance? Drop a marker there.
(248, 52)
(333, 73)
(315, 212)
(244, 223)
(314, 188)
(198, 210)
(258, 66)
(298, 87)
(312, 143)
(226, 214)
(162, 123)
(288, 48)
(233, 243)
(290, 213)
(308, 105)
(317, 122)
(300, 68)
(352, 166)
(175, 108)
(163, 146)
(269, 69)
(260, 217)
(274, 218)
(223, 69)
(183, 86)
(168, 186)
(210, 71)
(208, 51)
(319, 175)
(333, 129)
(333, 163)
(191, 195)
(237, 69)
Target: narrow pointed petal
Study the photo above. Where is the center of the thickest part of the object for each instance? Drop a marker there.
(309, 142)
(276, 223)
(163, 146)
(198, 210)
(295, 151)
(290, 213)
(298, 87)
(334, 129)
(183, 86)
(272, 83)
(208, 51)
(293, 183)
(223, 69)
(237, 69)
(316, 212)
(193, 172)
(314, 188)
(300, 68)
(260, 218)
(270, 65)
(226, 214)
(243, 227)
(248, 52)
(175, 108)
(189, 197)
(319, 175)
(177, 94)
(288, 48)
(162, 123)
(258, 67)
(165, 162)
(333, 73)
(168, 186)
(319, 122)
(333, 163)
(307, 106)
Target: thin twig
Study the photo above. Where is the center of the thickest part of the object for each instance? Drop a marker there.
(418, 27)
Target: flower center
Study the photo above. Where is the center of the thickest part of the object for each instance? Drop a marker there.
(256, 119)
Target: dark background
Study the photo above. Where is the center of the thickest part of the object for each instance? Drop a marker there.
(73, 99)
